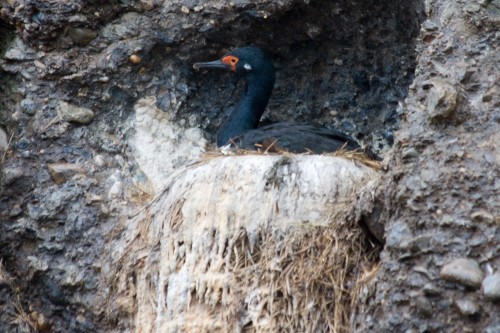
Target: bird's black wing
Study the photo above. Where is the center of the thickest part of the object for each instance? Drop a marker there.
(297, 138)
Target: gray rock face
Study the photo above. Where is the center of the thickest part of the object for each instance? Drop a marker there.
(442, 180)
(463, 271)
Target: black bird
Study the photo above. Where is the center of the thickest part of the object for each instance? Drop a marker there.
(254, 66)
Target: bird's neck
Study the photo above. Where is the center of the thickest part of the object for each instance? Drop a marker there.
(249, 110)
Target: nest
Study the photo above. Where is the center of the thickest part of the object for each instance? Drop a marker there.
(353, 155)
(249, 243)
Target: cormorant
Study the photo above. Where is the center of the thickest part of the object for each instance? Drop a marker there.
(254, 66)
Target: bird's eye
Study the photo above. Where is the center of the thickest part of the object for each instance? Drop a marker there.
(230, 60)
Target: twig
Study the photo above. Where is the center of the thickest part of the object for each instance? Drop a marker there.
(52, 122)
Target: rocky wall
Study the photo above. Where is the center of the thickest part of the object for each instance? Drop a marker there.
(99, 104)
(439, 199)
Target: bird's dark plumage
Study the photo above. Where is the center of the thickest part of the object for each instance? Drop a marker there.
(296, 138)
(254, 66)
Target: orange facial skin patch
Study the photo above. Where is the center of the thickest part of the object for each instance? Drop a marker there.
(232, 61)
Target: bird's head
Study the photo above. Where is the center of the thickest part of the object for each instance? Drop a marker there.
(244, 61)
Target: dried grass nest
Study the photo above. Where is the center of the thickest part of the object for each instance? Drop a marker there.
(206, 262)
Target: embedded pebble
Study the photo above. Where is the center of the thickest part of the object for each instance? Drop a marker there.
(491, 287)
(28, 106)
(10, 175)
(463, 271)
(14, 54)
(424, 306)
(37, 265)
(472, 8)
(398, 235)
(15, 211)
(74, 114)
(91, 198)
(134, 58)
(431, 290)
(482, 216)
(409, 152)
(99, 161)
(442, 99)
(419, 244)
(147, 4)
(116, 190)
(73, 276)
(491, 94)
(81, 36)
(196, 135)
(42, 324)
(429, 25)
(467, 307)
(62, 172)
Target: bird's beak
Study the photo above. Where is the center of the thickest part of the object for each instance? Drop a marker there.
(212, 64)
